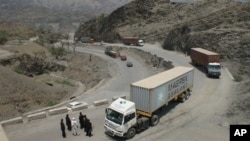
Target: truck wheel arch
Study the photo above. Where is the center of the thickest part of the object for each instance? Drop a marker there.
(131, 133)
(154, 120)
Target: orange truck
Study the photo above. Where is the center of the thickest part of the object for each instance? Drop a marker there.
(208, 59)
(133, 41)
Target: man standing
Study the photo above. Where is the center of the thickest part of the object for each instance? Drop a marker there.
(81, 120)
(63, 129)
(74, 126)
(88, 128)
(68, 122)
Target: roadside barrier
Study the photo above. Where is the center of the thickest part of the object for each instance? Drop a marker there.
(36, 116)
(100, 102)
(3, 136)
(80, 107)
(115, 97)
(12, 121)
(57, 111)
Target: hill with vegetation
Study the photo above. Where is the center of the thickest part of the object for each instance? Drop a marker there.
(218, 25)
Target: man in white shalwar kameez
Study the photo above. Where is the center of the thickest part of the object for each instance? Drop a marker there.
(74, 126)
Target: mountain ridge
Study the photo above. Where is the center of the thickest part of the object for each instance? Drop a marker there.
(217, 25)
(62, 12)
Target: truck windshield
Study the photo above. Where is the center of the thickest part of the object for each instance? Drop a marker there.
(114, 116)
(214, 67)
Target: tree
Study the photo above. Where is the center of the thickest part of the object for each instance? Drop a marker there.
(3, 37)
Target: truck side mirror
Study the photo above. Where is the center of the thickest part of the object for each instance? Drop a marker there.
(106, 110)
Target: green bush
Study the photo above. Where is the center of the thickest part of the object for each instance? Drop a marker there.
(65, 82)
(52, 103)
(3, 37)
(57, 52)
(238, 78)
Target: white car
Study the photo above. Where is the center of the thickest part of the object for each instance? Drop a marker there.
(72, 105)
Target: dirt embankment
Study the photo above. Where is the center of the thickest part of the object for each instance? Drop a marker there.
(32, 78)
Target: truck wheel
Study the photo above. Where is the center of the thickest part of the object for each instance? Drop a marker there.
(187, 95)
(154, 120)
(131, 133)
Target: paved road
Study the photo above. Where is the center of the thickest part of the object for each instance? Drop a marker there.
(193, 120)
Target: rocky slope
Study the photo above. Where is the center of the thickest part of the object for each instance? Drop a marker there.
(218, 25)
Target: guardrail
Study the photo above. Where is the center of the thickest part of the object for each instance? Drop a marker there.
(49, 112)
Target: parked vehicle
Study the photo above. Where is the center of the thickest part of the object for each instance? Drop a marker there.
(123, 57)
(208, 59)
(126, 117)
(109, 51)
(87, 40)
(72, 105)
(133, 41)
(129, 64)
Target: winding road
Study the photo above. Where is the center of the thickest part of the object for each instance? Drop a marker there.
(202, 117)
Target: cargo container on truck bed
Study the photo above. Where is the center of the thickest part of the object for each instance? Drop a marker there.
(133, 41)
(208, 59)
(126, 117)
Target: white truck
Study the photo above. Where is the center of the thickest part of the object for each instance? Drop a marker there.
(124, 118)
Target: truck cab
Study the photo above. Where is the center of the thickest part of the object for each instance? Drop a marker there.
(140, 43)
(120, 118)
(213, 69)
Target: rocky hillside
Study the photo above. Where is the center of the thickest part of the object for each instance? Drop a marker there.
(17, 31)
(218, 25)
(59, 15)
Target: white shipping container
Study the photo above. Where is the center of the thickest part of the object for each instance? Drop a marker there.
(153, 92)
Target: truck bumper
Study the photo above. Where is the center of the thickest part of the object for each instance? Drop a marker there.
(215, 74)
(112, 132)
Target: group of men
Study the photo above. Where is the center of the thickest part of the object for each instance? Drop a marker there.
(84, 122)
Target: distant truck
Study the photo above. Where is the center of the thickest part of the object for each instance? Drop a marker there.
(109, 51)
(124, 118)
(133, 41)
(208, 59)
(87, 40)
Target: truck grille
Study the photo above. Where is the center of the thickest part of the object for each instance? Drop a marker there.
(110, 125)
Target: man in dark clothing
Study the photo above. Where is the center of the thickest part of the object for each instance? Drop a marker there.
(68, 122)
(84, 122)
(63, 129)
(88, 128)
(81, 120)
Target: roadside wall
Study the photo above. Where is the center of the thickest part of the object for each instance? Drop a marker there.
(3, 136)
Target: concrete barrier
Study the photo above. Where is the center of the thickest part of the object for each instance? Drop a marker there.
(12, 121)
(121, 96)
(80, 107)
(58, 111)
(36, 116)
(3, 136)
(100, 102)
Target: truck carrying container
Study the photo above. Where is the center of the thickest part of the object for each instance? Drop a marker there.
(208, 59)
(126, 117)
(132, 41)
(153, 92)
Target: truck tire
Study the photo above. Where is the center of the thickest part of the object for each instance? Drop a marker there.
(187, 95)
(131, 133)
(154, 120)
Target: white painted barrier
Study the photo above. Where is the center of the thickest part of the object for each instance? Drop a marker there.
(100, 102)
(58, 111)
(80, 107)
(3, 136)
(121, 96)
(36, 116)
(12, 121)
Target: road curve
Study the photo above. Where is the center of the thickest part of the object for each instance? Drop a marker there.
(199, 118)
